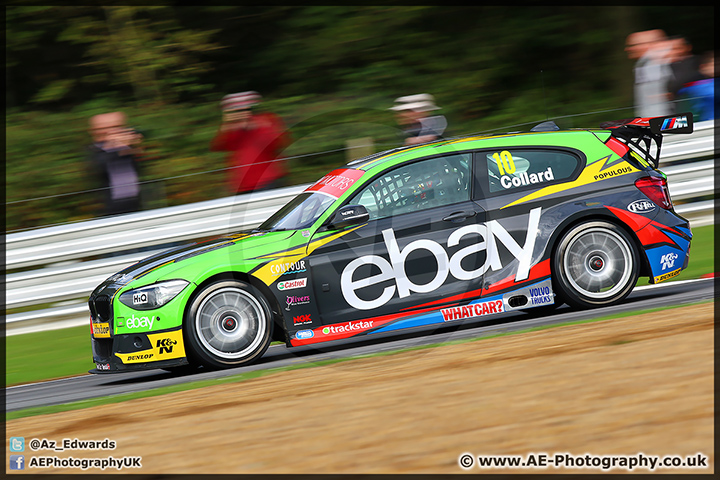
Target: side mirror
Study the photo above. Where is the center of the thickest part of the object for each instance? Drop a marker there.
(349, 215)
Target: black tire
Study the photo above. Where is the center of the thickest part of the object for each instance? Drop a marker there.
(229, 323)
(595, 264)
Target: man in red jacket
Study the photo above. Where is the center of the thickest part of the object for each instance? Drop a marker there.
(254, 141)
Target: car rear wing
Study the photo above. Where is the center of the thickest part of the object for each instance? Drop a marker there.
(641, 133)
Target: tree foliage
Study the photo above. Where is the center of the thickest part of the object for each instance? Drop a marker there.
(140, 51)
(331, 72)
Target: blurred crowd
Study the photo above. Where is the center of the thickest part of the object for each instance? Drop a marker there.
(253, 139)
(668, 78)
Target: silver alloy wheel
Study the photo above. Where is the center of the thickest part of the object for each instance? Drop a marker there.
(598, 263)
(230, 323)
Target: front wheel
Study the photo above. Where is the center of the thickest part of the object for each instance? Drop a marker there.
(229, 324)
(595, 264)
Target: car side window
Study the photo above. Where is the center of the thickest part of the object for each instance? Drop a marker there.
(518, 169)
(416, 186)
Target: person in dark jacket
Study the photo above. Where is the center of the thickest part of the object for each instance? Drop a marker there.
(113, 157)
(684, 65)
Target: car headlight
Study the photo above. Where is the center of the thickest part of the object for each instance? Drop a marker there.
(153, 296)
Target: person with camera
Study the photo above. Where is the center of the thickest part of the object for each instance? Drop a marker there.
(254, 141)
(114, 155)
(412, 114)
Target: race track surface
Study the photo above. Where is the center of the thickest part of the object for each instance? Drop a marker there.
(582, 395)
(84, 387)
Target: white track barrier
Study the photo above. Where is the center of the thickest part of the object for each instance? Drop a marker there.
(52, 270)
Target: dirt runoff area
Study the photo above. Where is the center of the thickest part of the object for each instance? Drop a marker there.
(634, 387)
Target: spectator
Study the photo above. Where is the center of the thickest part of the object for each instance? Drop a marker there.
(114, 156)
(254, 141)
(412, 116)
(702, 92)
(685, 66)
(651, 72)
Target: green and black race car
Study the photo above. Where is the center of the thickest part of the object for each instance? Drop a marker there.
(415, 236)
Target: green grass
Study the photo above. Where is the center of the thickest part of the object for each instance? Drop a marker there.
(261, 373)
(34, 357)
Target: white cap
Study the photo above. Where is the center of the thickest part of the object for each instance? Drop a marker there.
(238, 101)
(421, 102)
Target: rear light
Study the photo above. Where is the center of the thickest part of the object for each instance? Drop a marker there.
(655, 188)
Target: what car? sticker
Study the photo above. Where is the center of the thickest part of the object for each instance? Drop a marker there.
(472, 310)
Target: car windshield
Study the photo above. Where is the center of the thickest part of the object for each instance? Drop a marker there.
(300, 212)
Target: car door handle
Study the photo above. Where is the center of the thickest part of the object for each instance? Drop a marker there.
(460, 216)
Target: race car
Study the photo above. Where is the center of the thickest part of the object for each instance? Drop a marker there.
(456, 229)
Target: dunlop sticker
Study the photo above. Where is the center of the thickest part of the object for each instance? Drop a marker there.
(665, 276)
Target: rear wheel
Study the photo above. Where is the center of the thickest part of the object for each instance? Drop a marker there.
(595, 264)
(229, 324)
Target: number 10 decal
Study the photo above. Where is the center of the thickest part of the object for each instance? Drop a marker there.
(504, 159)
